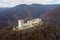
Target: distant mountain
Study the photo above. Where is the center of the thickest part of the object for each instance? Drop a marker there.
(52, 17)
(25, 12)
(31, 11)
(3, 8)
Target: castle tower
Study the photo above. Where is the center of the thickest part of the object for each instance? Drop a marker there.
(20, 24)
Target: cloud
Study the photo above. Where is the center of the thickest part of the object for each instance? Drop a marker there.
(9, 3)
(57, 2)
(39, 1)
(12, 3)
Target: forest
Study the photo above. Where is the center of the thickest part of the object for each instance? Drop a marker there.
(45, 31)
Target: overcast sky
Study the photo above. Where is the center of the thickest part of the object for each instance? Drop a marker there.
(11, 3)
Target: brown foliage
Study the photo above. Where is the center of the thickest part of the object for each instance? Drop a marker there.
(41, 32)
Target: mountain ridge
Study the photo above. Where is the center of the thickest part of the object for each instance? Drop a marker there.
(25, 12)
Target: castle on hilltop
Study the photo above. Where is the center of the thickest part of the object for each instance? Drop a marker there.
(30, 23)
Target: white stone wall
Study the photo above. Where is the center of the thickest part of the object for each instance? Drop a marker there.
(30, 23)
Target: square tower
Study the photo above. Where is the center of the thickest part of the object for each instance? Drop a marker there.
(20, 24)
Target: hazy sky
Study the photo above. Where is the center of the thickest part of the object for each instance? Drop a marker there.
(11, 3)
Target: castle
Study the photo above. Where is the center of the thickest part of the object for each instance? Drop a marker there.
(30, 23)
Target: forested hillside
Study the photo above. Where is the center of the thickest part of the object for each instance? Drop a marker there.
(42, 32)
(52, 17)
